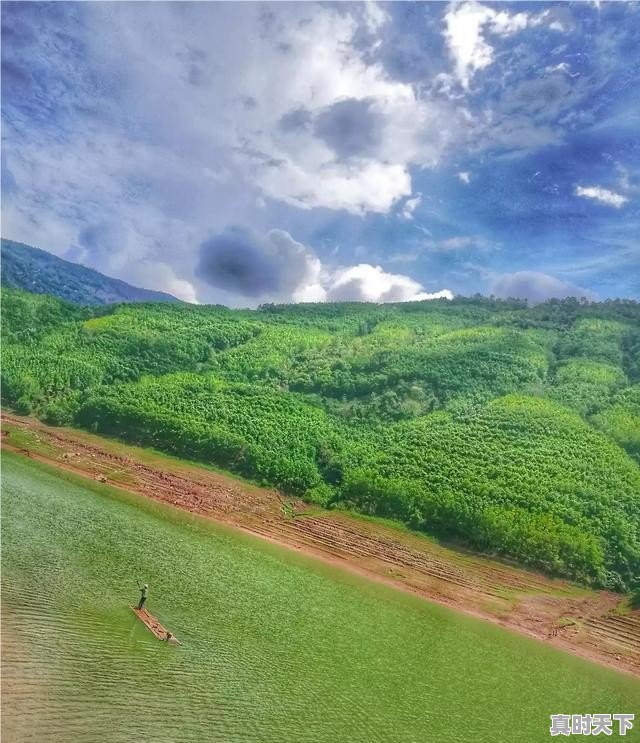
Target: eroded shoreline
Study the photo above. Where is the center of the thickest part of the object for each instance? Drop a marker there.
(587, 623)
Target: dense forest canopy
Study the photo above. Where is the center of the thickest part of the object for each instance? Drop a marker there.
(512, 429)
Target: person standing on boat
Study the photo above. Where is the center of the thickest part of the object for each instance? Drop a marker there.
(144, 590)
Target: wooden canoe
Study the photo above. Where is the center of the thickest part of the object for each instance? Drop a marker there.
(151, 623)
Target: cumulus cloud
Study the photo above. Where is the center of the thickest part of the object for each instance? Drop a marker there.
(367, 283)
(174, 127)
(276, 267)
(341, 133)
(536, 287)
(603, 195)
(134, 132)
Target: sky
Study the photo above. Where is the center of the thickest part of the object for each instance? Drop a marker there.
(243, 153)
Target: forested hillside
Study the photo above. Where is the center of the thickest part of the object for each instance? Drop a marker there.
(514, 430)
(35, 270)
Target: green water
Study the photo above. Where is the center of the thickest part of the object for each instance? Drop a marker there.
(276, 647)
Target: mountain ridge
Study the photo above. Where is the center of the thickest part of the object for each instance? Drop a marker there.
(40, 272)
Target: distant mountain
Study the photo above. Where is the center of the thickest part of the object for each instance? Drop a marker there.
(35, 270)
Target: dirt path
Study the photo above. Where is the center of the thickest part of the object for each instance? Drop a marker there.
(592, 624)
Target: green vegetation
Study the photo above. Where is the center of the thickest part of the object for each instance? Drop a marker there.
(514, 430)
(520, 476)
(621, 419)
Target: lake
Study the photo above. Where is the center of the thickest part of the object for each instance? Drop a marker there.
(276, 646)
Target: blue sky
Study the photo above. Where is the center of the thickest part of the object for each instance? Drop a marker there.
(252, 152)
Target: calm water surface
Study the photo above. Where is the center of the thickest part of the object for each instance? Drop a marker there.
(276, 648)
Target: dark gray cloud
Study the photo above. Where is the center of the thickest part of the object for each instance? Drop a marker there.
(536, 287)
(102, 238)
(238, 260)
(349, 291)
(197, 66)
(351, 127)
(295, 120)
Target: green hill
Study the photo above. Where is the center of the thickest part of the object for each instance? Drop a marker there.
(37, 271)
(511, 429)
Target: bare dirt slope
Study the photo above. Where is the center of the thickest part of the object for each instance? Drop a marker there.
(594, 624)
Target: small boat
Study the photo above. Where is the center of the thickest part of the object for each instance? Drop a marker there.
(154, 625)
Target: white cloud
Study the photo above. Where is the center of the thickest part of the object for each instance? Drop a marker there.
(557, 18)
(410, 205)
(505, 24)
(374, 16)
(464, 35)
(368, 186)
(310, 293)
(160, 275)
(367, 283)
(603, 195)
(466, 25)
(536, 287)
(239, 106)
(465, 176)
(313, 48)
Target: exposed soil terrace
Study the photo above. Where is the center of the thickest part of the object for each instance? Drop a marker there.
(592, 624)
